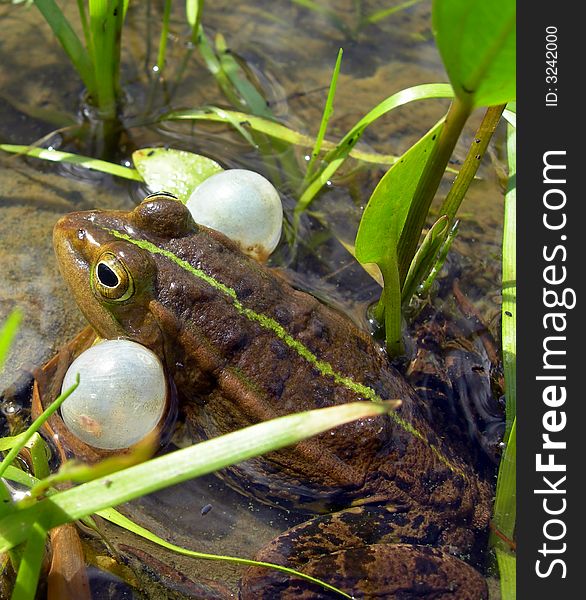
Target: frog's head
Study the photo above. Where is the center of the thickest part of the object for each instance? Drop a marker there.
(110, 278)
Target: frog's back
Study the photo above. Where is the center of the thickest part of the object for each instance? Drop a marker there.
(271, 350)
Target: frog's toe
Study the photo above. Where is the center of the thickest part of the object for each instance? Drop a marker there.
(390, 571)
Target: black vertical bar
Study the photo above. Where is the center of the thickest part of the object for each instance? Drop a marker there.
(551, 440)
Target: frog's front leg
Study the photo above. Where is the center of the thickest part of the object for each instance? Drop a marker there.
(369, 552)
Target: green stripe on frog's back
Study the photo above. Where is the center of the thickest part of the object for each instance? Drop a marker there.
(270, 324)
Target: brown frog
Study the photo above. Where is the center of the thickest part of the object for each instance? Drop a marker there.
(390, 503)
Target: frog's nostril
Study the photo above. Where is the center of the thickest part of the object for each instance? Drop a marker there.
(81, 233)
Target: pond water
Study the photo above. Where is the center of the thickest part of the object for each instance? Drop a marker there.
(288, 50)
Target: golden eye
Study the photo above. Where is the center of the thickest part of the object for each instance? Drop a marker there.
(111, 278)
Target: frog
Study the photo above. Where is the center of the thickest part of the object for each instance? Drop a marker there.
(390, 508)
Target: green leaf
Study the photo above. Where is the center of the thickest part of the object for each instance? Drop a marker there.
(387, 209)
(325, 118)
(175, 171)
(209, 456)
(271, 128)
(476, 40)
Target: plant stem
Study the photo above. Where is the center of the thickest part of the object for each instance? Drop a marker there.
(462, 182)
(429, 183)
(163, 40)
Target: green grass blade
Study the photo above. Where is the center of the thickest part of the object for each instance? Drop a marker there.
(27, 577)
(505, 506)
(338, 155)
(176, 467)
(68, 39)
(509, 276)
(270, 128)
(35, 426)
(8, 333)
(379, 15)
(117, 518)
(327, 113)
(508, 569)
(75, 159)
(163, 39)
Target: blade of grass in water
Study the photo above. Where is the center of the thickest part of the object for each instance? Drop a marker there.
(271, 128)
(117, 518)
(505, 504)
(83, 161)
(209, 456)
(163, 39)
(327, 113)
(509, 308)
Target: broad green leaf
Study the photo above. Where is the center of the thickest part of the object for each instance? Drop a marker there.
(476, 39)
(209, 456)
(175, 171)
(386, 211)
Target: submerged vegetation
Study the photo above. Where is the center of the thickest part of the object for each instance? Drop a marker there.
(398, 231)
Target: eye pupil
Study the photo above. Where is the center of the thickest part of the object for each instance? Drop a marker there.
(106, 276)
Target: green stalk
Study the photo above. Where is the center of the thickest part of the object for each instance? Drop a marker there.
(327, 113)
(25, 586)
(106, 17)
(163, 40)
(466, 174)
(429, 183)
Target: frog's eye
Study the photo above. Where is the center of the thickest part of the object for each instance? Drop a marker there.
(112, 279)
